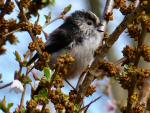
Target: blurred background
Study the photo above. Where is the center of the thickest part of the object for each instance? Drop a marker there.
(108, 89)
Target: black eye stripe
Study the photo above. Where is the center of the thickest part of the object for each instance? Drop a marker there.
(89, 23)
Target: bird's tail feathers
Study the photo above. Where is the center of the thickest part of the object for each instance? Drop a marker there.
(33, 59)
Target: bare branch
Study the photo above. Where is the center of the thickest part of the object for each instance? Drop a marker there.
(11, 32)
(6, 85)
(26, 20)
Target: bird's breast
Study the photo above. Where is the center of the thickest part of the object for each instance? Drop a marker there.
(83, 54)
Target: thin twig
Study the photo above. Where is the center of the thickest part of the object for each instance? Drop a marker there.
(45, 35)
(120, 61)
(6, 85)
(27, 72)
(117, 32)
(26, 55)
(80, 80)
(43, 108)
(88, 105)
(38, 17)
(22, 97)
(57, 18)
(12, 32)
(108, 8)
(26, 20)
(3, 11)
(70, 84)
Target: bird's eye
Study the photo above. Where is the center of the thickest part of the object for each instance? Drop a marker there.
(89, 22)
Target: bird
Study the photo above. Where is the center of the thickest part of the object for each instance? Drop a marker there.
(79, 36)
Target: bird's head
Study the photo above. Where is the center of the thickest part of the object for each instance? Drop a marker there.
(87, 21)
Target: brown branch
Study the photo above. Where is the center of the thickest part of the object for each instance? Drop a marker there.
(95, 6)
(108, 8)
(22, 97)
(88, 105)
(70, 84)
(3, 12)
(57, 18)
(133, 84)
(105, 48)
(117, 32)
(23, 93)
(26, 20)
(11, 32)
(144, 93)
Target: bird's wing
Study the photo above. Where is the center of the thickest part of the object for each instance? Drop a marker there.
(58, 39)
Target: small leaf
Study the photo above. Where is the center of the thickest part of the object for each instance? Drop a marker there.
(4, 101)
(43, 93)
(0, 75)
(26, 80)
(24, 63)
(36, 97)
(48, 17)
(47, 73)
(23, 110)
(9, 105)
(1, 78)
(53, 2)
(66, 9)
(1, 106)
(47, 2)
(18, 58)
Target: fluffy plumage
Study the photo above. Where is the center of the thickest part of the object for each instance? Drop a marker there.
(79, 35)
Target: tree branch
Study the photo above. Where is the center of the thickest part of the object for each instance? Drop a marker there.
(26, 20)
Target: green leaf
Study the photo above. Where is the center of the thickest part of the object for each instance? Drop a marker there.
(1, 78)
(26, 79)
(9, 105)
(4, 101)
(43, 93)
(47, 73)
(36, 97)
(1, 106)
(23, 110)
(66, 9)
(47, 2)
(24, 64)
(48, 17)
(52, 2)
(18, 58)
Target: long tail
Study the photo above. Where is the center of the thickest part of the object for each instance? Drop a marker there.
(36, 56)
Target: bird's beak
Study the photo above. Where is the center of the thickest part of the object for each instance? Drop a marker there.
(99, 28)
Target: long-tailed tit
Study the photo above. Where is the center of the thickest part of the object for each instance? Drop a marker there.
(79, 36)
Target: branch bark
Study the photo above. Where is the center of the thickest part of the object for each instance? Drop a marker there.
(26, 20)
(144, 93)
